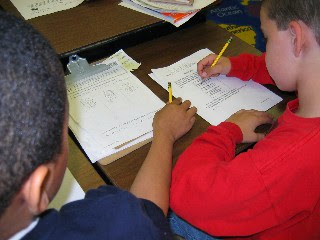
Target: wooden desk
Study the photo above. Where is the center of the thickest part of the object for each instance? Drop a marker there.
(88, 23)
(98, 28)
(162, 52)
(65, 37)
(94, 30)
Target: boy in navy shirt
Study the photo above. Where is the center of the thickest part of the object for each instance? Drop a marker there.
(34, 147)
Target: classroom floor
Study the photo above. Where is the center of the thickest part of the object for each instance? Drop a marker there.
(241, 17)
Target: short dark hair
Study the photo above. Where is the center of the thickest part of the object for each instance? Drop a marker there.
(285, 11)
(32, 104)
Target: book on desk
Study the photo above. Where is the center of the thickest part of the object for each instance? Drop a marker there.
(176, 14)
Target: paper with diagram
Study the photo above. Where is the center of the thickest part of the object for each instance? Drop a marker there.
(111, 110)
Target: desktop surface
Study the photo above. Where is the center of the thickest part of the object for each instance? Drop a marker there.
(162, 52)
(95, 29)
(87, 25)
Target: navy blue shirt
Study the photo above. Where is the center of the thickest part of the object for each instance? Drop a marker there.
(104, 213)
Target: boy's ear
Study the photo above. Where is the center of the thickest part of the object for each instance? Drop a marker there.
(34, 190)
(297, 38)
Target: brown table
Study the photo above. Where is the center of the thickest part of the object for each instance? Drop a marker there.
(162, 52)
(90, 27)
(86, 24)
(98, 28)
(93, 29)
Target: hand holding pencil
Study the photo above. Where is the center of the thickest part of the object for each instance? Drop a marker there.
(214, 65)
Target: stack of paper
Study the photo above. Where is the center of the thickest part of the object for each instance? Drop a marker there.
(176, 14)
(216, 98)
(111, 110)
(183, 2)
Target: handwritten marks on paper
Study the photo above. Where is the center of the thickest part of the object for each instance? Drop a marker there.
(126, 61)
(35, 8)
(110, 108)
(216, 98)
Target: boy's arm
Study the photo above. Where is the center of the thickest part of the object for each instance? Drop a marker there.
(248, 66)
(217, 192)
(154, 177)
(244, 66)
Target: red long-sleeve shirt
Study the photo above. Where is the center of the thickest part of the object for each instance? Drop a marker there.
(269, 192)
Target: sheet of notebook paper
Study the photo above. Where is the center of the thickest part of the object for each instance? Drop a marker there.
(35, 8)
(109, 109)
(216, 98)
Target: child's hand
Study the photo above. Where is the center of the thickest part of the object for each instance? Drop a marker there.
(248, 120)
(174, 120)
(205, 70)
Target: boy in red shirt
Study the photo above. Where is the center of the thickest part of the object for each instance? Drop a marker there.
(273, 190)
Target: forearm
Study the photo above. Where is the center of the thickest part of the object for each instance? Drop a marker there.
(199, 165)
(209, 181)
(154, 177)
(248, 66)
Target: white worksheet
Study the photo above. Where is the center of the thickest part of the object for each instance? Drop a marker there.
(110, 109)
(35, 8)
(216, 98)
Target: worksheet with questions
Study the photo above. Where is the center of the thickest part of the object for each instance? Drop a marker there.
(217, 98)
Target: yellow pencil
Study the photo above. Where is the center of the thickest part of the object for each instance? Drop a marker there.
(221, 52)
(170, 92)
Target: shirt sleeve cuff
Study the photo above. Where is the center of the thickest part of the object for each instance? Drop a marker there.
(234, 130)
